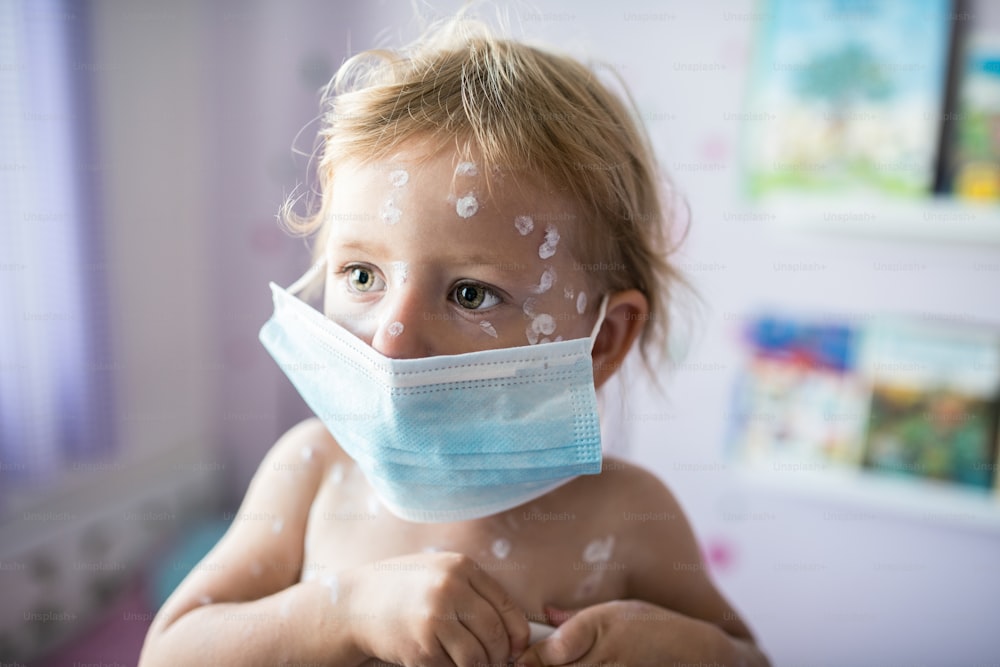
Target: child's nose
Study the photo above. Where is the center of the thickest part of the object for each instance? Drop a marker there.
(404, 330)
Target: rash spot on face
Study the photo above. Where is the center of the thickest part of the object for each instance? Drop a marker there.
(400, 271)
(546, 281)
(543, 324)
(467, 206)
(399, 177)
(548, 247)
(389, 214)
(524, 224)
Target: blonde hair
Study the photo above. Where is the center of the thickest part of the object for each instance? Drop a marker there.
(513, 105)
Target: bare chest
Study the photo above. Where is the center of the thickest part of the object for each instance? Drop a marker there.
(539, 555)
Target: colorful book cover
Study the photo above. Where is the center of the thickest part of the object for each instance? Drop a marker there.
(846, 96)
(974, 151)
(800, 404)
(935, 402)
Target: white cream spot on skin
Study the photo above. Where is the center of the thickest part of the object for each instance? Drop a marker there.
(581, 302)
(399, 177)
(568, 292)
(277, 525)
(488, 328)
(256, 569)
(431, 550)
(395, 329)
(307, 453)
(543, 324)
(373, 505)
(546, 281)
(467, 206)
(531, 335)
(389, 213)
(529, 307)
(548, 247)
(205, 599)
(333, 583)
(599, 551)
(588, 587)
(501, 548)
(400, 271)
(337, 473)
(524, 224)
(466, 169)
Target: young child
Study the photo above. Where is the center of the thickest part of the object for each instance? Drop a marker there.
(490, 243)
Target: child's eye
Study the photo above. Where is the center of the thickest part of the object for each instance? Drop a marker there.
(475, 297)
(363, 279)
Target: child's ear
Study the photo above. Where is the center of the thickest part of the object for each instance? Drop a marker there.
(627, 314)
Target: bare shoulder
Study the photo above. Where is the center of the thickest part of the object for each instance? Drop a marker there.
(262, 551)
(630, 491)
(307, 447)
(659, 547)
(306, 438)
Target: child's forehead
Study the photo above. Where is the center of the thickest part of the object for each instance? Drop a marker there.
(454, 187)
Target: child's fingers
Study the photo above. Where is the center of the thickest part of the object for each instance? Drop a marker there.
(557, 617)
(512, 616)
(461, 646)
(566, 645)
(487, 627)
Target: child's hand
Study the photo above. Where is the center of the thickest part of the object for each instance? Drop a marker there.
(627, 632)
(434, 609)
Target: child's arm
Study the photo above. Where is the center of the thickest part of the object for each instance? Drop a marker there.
(241, 605)
(674, 611)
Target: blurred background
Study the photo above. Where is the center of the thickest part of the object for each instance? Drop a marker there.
(829, 424)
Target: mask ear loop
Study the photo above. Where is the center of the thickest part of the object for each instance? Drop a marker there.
(307, 277)
(601, 313)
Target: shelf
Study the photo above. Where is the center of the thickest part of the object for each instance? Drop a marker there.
(857, 495)
(935, 219)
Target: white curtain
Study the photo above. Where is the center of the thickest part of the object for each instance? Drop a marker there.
(54, 378)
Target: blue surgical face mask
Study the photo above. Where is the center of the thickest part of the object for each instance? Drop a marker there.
(451, 437)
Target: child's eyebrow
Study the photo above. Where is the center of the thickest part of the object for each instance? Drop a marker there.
(455, 259)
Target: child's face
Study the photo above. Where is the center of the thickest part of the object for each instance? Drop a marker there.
(423, 261)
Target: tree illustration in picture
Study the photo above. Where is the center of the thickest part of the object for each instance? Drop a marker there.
(840, 82)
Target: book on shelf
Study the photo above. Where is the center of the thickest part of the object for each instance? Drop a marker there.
(972, 151)
(897, 398)
(935, 401)
(840, 101)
